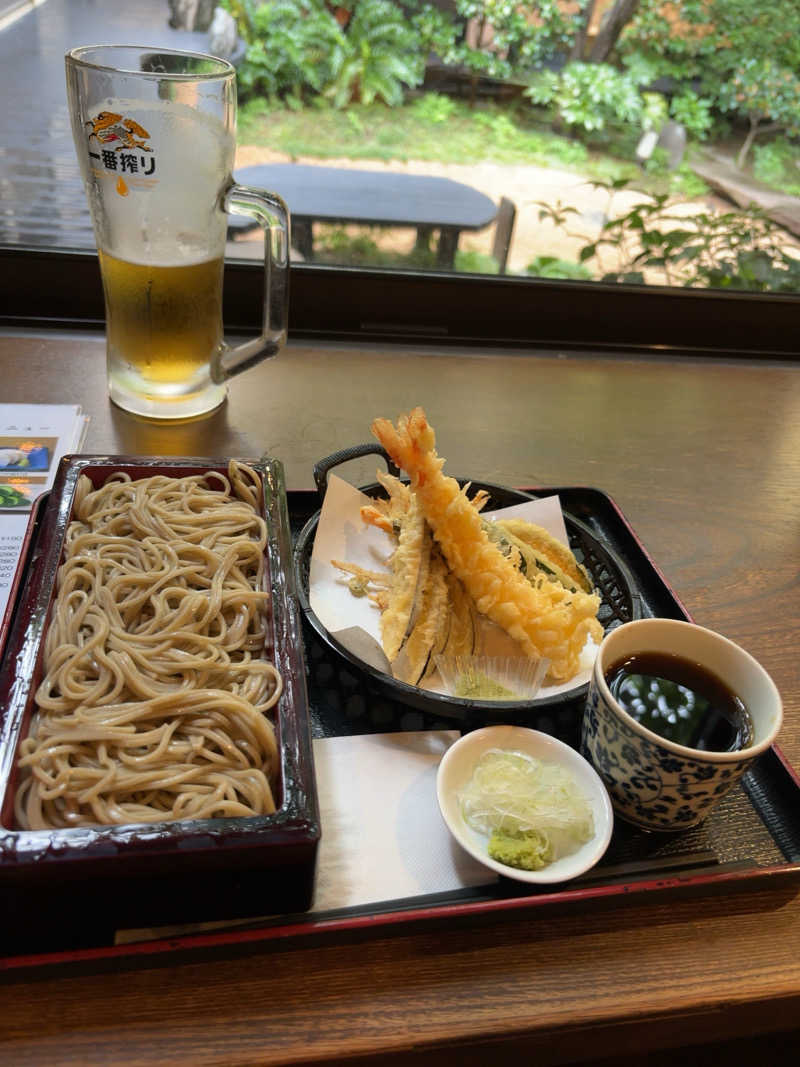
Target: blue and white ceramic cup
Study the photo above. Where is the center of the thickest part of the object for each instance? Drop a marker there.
(653, 782)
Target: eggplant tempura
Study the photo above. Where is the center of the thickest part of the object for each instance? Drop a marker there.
(424, 608)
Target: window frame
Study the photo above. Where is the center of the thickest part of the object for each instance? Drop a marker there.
(62, 289)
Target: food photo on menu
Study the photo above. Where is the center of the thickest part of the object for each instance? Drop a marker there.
(21, 454)
(17, 491)
(33, 438)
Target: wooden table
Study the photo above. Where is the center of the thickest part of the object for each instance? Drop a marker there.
(370, 198)
(704, 460)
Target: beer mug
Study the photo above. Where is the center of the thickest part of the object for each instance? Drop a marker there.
(155, 133)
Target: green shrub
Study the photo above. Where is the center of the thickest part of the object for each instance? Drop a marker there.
(589, 96)
(777, 163)
(658, 162)
(741, 250)
(684, 182)
(380, 58)
(731, 57)
(434, 108)
(563, 150)
(503, 129)
(298, 51)
(768, 94)
(243, 12)
(552, 267)
(694, 112)
(476, 263)
(655, 111)
(296, 47)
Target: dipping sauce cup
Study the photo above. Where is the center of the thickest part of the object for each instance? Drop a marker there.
(654, 782)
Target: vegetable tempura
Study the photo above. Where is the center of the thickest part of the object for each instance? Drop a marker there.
(550, 611)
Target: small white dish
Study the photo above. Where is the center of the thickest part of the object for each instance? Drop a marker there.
(456, 769)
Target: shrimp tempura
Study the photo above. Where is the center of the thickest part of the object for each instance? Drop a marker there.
(543, 617)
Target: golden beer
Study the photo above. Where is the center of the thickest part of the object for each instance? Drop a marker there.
(164, 327)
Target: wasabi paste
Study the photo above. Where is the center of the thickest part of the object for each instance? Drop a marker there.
(529, 850)
(476, 686)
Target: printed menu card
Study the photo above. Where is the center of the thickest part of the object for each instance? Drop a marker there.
(33, 438)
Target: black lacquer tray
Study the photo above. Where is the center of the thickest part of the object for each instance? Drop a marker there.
(751, 840)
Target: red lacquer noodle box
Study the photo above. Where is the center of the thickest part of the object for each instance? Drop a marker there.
(150, 873)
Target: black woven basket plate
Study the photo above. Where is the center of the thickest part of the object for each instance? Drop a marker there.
(620, 601)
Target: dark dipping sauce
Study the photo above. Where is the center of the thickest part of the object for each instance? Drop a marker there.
(680, 701)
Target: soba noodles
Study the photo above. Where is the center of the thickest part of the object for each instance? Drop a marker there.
(155, 695)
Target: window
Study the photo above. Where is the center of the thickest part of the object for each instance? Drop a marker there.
(445, 246)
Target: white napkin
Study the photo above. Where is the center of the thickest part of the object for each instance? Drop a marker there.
(383, 836)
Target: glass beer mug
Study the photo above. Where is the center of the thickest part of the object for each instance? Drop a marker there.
(155, 133)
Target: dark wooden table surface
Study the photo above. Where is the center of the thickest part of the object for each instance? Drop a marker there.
(704, 460)
(370, 198)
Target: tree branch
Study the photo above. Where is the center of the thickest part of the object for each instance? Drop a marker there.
(614, 22)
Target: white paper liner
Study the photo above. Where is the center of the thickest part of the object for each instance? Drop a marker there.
(355, 621)
(479, 677)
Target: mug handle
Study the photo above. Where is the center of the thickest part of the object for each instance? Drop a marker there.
(273, 215)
